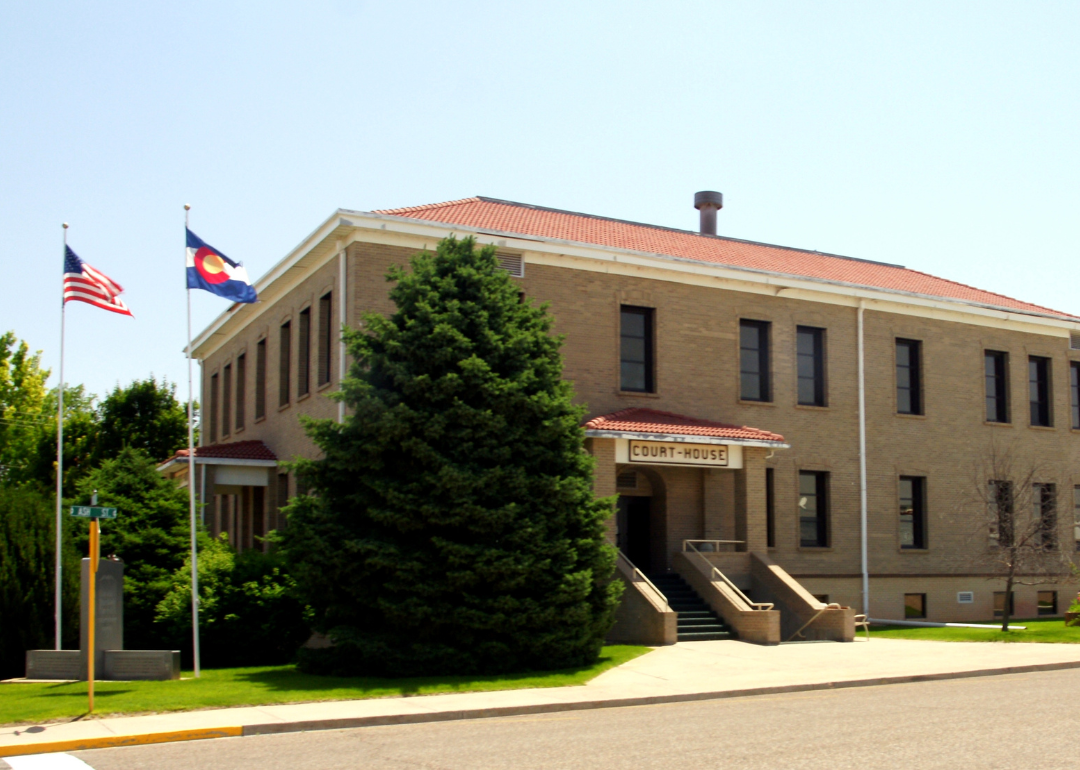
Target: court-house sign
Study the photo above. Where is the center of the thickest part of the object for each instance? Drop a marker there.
(678, 453)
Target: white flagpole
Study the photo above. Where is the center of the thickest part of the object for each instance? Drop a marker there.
(60, 463)
(191, 468)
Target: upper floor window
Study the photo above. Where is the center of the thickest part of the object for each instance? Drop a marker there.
(326, 336)
(260, 380)
(303, 354)
(909, 377)
(1039, 390)
(996, 364)
(754, 379)
(636, 350)
(813, 509)
(226, 400)
(241, 389)
(1074, 390)
(284, 362)
(213, 408)
(912, 512)
(810, 352)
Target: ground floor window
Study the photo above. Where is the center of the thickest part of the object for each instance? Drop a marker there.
(813, 509)
(1048, 603)
(914, 606)
(770, 508)
(999, 604)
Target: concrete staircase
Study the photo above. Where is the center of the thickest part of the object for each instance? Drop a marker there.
(696, 622)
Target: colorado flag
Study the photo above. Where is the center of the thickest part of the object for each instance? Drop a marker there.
(208, 268)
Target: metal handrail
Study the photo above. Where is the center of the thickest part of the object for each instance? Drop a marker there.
(753, 605)
(717, 543)
(829, 606)
(635, 572)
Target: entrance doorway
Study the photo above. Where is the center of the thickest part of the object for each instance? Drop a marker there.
(634, 538)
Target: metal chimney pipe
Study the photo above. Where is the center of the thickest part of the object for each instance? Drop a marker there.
(708, 203)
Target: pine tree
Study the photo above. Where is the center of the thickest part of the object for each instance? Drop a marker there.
(451, 525)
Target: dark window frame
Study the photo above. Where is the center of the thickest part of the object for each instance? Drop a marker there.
(1076, 517)
(260, 379)
(917, 518)
(996, 376)
(284, 363)
(241, 391)
(213, 408)
(326, 339)
(770, 508)
(758, 355)
(226, 400)
(1074, 392)
(648, 345)
(815, 381)
(1039, 392)
(821, 517)
(910, 612)
(911, 393)
(303, 353)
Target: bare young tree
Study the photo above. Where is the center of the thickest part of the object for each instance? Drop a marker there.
(1017, 534)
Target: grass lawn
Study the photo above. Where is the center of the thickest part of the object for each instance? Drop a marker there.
(1048, 630)
(217, 688)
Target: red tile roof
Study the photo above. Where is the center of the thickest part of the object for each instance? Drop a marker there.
(520, 218)
(638, 420)
(237, 450)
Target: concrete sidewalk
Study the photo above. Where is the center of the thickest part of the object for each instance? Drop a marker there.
(682, 672)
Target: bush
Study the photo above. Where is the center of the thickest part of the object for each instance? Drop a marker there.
(248, 614)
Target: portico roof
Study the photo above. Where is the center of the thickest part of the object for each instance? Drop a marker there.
(253, 452)
(655, 425)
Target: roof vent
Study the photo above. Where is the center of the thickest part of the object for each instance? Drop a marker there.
(708, 203)
(511, 263)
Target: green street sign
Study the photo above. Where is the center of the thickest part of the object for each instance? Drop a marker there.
(92, 512)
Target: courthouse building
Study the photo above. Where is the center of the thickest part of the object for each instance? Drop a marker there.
(792, 434)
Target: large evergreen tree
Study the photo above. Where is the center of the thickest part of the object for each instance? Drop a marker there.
(452, 526)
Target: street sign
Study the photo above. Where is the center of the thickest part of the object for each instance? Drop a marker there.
(92, 512)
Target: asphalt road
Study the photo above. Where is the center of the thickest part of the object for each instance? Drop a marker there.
(1023, 721)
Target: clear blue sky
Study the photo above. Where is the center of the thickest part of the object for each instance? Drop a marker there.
(941, 136)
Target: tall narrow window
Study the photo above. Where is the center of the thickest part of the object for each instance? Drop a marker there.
(636, 349)
(1001, 501)
(1076, 518)
(213, 408)
(997, 391)
(282, 498)
(260, 380)
(909, 377)
(284, 362)
(813, 509)
(1044, 500)
(303, 354)
(912, 512)
(241, 389)
(754, 381)
(770, 508)
(810, 352)
(226, 400)
(1074, 390)
(326, 336)
(1039, 390)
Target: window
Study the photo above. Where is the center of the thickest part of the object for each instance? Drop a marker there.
(754, 379)
(770, 508)
(213, 408)
(260, 380)
(997, 391)
(914, 606)
(1074, 390)
(1039, 390)
(326, 336)
(303, 350)
(258, 511)
(1048, 603)
(1076, 517)
(810, 352)
(636, 349)
(285, 343)
(813, 509)
(282, 497)
(241, 389)
(999, 604)
(1044, 500)
(226, 401)
(912, 512)
(909, 377)
(1001, 500)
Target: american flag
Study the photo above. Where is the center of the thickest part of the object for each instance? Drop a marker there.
(83, 283)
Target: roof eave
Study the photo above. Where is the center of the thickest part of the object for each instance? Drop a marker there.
(683, 438)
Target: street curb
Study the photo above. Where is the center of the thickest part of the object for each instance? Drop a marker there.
(276, 728)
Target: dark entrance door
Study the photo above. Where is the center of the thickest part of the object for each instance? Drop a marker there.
(634, 540)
